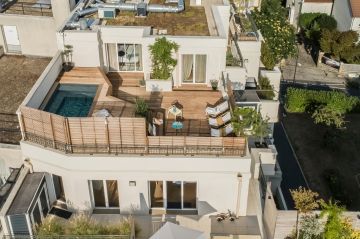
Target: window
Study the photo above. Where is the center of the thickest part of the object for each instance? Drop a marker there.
(105, 193)
(124, 57)
(173, 194)
(194, 68)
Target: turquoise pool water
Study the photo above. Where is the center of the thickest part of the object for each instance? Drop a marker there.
(72, 100)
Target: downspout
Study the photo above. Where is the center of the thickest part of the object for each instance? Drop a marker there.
(238, 200)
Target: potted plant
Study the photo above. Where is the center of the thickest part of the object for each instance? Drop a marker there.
(141, 107)
(142, 83)
(214, 84)
(163, 65)
(260, 130)
(67, 54)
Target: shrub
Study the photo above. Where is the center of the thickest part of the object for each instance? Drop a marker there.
(50, 227)
(301, 100)
(141, 107)
(336, 185)
(326, 22)
(306, 19)
(268, 90)
(267, 58)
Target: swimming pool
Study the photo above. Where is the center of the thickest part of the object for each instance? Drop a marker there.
(70, 100)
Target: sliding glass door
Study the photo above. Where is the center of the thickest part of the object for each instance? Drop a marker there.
(105, 193)
(194, 69)
(176, 195)
(124, 57)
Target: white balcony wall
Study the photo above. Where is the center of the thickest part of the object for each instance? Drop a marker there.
(274, 77)
(270, 108)
(216, 177)
(86, 47)
(44, 83)
(36, 33)
(251, 51)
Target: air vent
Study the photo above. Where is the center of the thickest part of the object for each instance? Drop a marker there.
(107, 13)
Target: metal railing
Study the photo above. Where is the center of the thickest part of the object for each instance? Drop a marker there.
(9, 129)
(189, 150)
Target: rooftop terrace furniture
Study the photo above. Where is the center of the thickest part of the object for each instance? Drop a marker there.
(217, 110)
(220, 120)
(221, 132)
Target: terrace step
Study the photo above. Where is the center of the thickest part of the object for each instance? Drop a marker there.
(126, 79)
(192, 87)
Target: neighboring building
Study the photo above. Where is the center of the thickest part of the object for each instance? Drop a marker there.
(347, 15)
(80, 129)
(297, 7)
(29, 27)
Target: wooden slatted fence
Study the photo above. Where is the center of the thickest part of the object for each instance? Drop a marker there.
(117, 135)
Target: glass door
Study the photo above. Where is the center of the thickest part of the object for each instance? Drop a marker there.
(105, 193)
(194, 69)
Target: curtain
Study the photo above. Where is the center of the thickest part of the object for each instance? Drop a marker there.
(138, 57)
(112, 57)
(200, 72)
(187, 68)
(158, 194)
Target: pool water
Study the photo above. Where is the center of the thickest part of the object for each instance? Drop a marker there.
(71, 100)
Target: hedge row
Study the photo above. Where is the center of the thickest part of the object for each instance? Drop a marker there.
(303, 100)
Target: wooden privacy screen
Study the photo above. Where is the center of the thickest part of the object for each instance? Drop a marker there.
(87, 131)
(117, 135)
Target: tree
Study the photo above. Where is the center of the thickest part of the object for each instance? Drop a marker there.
(161, 55)
(260, 127)
(278, 34)
(305, 201)
(328, 116)
(341, 45)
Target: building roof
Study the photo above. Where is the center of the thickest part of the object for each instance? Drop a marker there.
(355, 7)
(26, 193)
(319, 1)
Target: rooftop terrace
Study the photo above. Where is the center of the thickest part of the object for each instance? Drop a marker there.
(123, 132)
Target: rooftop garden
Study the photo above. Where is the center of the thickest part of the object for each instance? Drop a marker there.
(191, 22)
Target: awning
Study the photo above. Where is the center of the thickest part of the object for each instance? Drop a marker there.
(173, 231)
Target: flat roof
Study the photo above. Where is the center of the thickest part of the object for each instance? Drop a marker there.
(191, 22)
(246, 96)
(26, 193)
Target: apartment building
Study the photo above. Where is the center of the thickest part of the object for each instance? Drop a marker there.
(86, 149)
(28, 27)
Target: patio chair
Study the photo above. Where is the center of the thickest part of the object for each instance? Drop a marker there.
(217, 110)
(220, 120)
(221, 132)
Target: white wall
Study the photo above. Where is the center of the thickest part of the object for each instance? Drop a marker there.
(36, 33)
(270, 108)
(216, 177)
(342, 14)
(86, 47)
(317, 7)
(61, 10)
(274, 77)
(251, 51)
(44, 83)
(10, 156)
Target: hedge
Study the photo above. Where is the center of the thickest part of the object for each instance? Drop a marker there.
(303, 100)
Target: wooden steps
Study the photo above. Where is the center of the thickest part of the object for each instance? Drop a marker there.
(192, 87)
(125, 79)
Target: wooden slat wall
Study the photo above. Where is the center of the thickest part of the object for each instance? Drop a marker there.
(85, 131)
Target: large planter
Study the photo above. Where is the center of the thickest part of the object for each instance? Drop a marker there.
(155, 85)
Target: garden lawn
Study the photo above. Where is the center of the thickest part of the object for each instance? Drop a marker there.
(307, 140)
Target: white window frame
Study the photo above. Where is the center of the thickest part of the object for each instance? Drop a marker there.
(117, 57)
(105, 192)
(165, 194)
(194, 74)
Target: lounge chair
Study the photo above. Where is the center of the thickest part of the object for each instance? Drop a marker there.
(221, 132)
(220, 120)
(217, 110)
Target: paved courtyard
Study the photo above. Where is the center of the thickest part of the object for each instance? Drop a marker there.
(308, 72)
